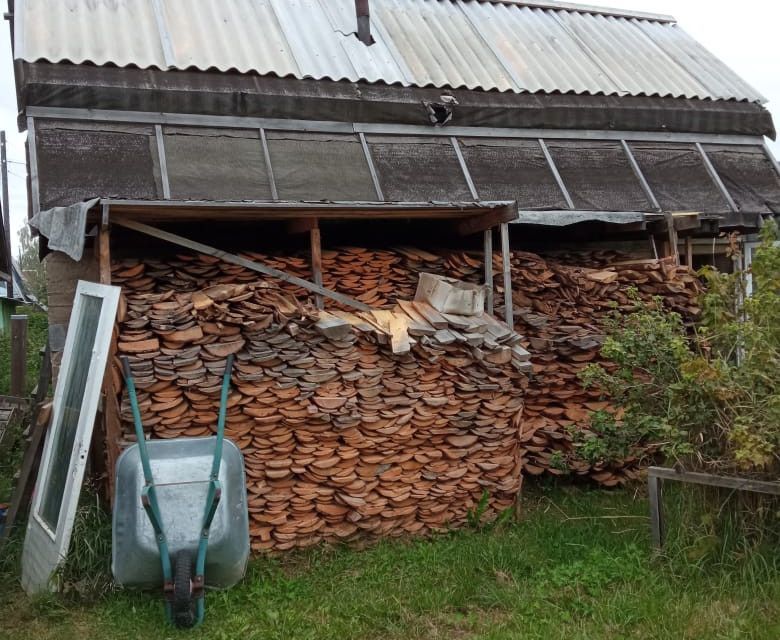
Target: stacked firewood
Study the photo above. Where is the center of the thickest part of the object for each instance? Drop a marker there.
(379, 423)
(561, 309)
(560, 306)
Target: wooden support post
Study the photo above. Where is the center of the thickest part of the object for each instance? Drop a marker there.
(104, 247)
(6, 207)
(39, 422)
(507, 268)
(316, 262)
(105, 450)
(654, 491)
(689, 251)
(489, 270)
(18, 356)
(673, 249)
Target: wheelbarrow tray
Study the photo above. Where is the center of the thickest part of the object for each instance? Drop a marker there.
(181, 471)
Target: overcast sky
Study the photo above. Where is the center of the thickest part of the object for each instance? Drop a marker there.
(743, 34)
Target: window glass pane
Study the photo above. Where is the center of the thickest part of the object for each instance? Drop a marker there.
(64, 432)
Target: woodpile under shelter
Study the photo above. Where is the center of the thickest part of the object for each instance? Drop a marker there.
(216, 159)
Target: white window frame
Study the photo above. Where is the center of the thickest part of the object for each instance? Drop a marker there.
(44, 549)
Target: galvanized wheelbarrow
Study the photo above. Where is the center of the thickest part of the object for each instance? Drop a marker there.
(162, 530)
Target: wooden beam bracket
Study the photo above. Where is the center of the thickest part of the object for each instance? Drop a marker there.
(488, 220)
(302, 225)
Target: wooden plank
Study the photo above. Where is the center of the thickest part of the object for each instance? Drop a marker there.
(7, 417)
(6, 209)
(417, 324)
(104, 246)
(166, 185)
(333, 326)
(283, 124)
(316, 263)
(400, 342)
(105, 442)
(113, 430)
(689, 252)
(355, 321)
(371, 168)
(464, 168)
(19, 355)
(32, 454)
(268, 166)
(556, 174)
(640, 176)
(708, 479)
(672, 238)
(433, 317)
(488, 260)
(238, 260)
(26, 480)
(507, 267)
(654, 489)
(487, 220)
(32, 151)
(302, 225)
(713, 173)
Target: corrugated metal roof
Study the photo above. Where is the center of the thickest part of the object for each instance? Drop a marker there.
(473, 44)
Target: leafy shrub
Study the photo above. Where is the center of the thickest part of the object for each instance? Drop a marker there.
(705, 397)
(37, 332)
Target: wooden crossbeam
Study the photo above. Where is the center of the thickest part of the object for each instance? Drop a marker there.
(487, 220)
(656, 476)
(302, 225)
(237, 260)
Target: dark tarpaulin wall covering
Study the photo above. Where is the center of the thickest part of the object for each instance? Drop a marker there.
(678, 177)
(76, 163)
(418, 169)
(199, 92)
(313, 166)
(82, 160)
(512, 170)
(748, 175)
(598, 176)
(215, 164)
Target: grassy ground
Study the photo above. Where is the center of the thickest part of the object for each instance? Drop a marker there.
(577, 566)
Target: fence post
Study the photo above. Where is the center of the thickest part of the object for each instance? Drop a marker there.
(18, 356)
(655, 493)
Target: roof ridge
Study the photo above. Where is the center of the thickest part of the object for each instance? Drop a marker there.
(563, 5)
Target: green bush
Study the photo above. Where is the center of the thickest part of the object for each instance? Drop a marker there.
(706, 397)
(37, 332)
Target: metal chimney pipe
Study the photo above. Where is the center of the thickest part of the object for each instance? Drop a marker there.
(363, 22)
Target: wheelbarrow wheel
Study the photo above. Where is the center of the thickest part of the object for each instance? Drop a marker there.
(183, 602)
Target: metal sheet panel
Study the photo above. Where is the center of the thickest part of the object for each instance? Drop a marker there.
(503, 46)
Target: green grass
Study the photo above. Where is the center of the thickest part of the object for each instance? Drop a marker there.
(37, 331)
(577, 566)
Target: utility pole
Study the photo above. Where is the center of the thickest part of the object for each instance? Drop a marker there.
(6, 213)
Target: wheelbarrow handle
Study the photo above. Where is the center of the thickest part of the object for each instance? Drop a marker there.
(223, 400)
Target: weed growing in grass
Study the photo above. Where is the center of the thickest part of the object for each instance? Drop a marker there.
(476, 518)
(86, 573)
